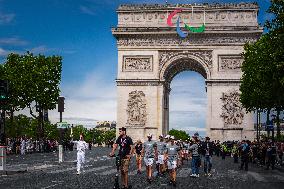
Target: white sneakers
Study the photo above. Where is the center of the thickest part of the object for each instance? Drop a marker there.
(194, 175)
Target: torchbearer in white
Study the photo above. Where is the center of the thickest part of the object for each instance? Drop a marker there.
(81, 147)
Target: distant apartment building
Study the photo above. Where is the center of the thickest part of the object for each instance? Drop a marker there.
(106, 125)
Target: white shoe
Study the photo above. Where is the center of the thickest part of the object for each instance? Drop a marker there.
(209, 174)
(197, 175)
(193, 175)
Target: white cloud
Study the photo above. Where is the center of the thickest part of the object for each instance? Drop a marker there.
(95, 99)
(6, 18)
(3, 52)
(39, 49)
(188, 102)
(87, 10)
(193, 129)
(12, 41)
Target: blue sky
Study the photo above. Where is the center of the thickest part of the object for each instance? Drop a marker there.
(80, 31)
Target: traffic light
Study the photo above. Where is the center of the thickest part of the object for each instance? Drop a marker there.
(45, 115)
(3, 91)
(61, 104)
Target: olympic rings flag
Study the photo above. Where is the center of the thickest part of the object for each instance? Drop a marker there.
(181, 33)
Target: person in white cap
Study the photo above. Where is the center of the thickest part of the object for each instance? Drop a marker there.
(172, 151)
(149, 150)
(81, 147)
(161, 149)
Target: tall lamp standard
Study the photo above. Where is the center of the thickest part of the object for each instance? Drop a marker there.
(61, 131)
(273, 121)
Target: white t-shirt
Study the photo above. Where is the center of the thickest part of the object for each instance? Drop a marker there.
(81, 146)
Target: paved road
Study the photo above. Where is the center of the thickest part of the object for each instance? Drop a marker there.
(43, 171)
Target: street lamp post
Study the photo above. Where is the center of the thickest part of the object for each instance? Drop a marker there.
(273, 121)
(61, 131)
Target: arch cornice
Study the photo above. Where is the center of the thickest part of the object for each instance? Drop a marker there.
(202, 57)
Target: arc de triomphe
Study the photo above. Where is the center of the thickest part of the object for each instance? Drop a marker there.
(151, 53)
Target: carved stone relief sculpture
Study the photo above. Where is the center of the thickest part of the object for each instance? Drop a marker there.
(137, 63)
(232, 110)
(230, 62)
(206, 56)
(136, 109)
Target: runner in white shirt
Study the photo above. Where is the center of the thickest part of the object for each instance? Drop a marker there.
(149, 150)
(161, 149)
(172, 151)
(81, 147)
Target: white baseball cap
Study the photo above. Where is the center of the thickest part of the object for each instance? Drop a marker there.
(149, 135)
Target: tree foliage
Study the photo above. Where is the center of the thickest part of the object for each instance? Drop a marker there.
(26, 126)
(178, 134)
(262, 83)
(33, 83)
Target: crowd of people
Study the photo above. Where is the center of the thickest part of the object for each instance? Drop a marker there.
(25, 145)
(168, 154)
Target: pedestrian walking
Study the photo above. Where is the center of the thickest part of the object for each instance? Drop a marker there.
(245, 149)
(160, 156)
(81, 148)
(171, 156)
(271, 156)
(23, 146)
(207, 152)
(149, 151)
(195, 162)
(138, 152)
(125, 152)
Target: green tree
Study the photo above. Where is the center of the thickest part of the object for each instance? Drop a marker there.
(21, 126)
(262, 83)
(78, 130)
(51, 131)
(179, 134)
(34, 83)
(276, 33)
(98, 136)
(109, 135)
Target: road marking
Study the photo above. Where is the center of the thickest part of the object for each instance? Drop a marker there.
(279, 177)
(39, 167)
(257, 176)
(67, 169)
(96, 169)
(49, 186)
(109, 172)
(184, 172)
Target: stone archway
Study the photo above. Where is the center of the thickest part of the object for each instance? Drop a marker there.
(174, 62)
(150, 54)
